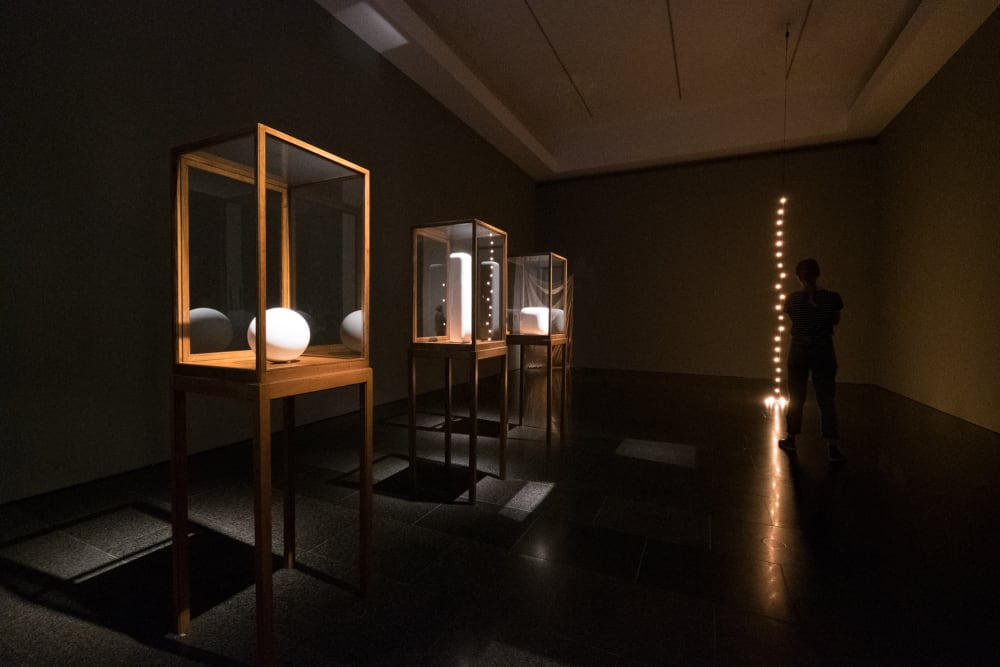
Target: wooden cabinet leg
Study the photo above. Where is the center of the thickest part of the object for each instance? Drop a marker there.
(262, 529)
(562, 395)
(447, 411)
(548, 394)
(179, 517)
(288, 498)
(474, 426)
(412, 384)
(503, 416)
(520, 387)
(366, 505)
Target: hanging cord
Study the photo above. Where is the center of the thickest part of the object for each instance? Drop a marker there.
(784, 114)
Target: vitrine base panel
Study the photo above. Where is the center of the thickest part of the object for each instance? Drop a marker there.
(446, 349)
(245, 370)
(537, 339)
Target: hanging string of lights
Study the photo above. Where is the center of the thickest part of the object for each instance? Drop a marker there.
(777, 400)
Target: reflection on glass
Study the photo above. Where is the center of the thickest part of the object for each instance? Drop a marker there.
(538, 295)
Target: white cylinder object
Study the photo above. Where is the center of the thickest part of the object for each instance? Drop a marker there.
(459, 315)
(287, 334)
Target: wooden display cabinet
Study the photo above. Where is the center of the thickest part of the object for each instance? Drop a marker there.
(538, 314)
(271, 276)
(459, 291)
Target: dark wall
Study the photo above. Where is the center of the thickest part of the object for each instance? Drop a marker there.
(674, 268)
(940, 250)
(94, 95)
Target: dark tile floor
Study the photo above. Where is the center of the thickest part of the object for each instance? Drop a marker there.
(666, 529)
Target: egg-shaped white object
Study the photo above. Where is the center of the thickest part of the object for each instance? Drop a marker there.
(287, 334)
(211, 331)
(352, 331)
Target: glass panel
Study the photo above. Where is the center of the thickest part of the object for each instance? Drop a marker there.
(443, 265)
(560, 314)
(490, 325)
(537, 304)
(315, 226)
(238, 152)
(293, 165)
(222, 256)
(431, 286)
(327, 232)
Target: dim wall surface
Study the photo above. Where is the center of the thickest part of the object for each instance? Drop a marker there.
(674, 268)
(95, 95)
(940, 242)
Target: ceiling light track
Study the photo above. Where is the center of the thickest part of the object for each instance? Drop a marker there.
(569, 76)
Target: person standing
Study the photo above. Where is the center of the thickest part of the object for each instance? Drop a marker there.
(813, 312)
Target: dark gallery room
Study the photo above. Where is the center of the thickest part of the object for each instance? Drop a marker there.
(500, 332)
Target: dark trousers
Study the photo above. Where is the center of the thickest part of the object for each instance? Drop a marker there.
(814, 357)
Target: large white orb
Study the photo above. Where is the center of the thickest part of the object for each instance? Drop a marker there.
(352, 331)
(287, 334)
(211, 331)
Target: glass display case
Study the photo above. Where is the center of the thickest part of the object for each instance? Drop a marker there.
(271, 245)
(538, 302)
(271, 302)
(459, 285)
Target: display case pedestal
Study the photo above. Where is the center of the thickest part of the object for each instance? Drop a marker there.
(450, 353)
(550, 343)
(259, 395)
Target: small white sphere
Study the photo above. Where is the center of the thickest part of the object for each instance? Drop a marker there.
(352, 331)
(211, 331)
(287, 334)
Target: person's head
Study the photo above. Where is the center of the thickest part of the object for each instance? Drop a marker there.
(807, 271)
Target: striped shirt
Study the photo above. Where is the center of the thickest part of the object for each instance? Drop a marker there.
(814, 317)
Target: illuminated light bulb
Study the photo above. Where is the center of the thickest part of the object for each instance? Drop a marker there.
(781, 211)
(781, 233)
(783, 200)
(780, 265)
(781, 328)
(777, 307)
(779, 243)
(777, 286)
(781, 222)
(782, 297)
(783, 275)
(781, 317)
(776, 359)
(777, 338)
(777, 349)
(769, 401)
(778, 254)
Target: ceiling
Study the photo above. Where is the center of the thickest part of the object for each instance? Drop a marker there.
(573, 87)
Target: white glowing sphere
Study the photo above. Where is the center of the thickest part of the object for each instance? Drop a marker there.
(211, 331)
(287, 334)
(352, 331)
